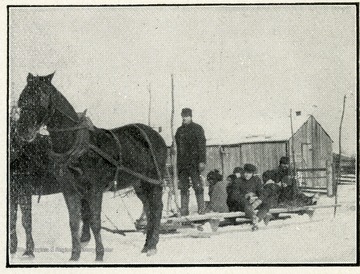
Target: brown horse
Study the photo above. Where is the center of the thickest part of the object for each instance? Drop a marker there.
(29, 175)
(86, 160)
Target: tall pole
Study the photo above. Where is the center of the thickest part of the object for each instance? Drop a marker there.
(293, 149)
(174, 155)
(149, 114)
(339, 167)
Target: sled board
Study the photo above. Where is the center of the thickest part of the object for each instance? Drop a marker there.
(214, 217)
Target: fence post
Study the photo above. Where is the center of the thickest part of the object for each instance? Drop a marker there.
(329, 181)
(333, 167)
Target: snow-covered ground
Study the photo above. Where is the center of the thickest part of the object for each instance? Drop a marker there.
(324, 239)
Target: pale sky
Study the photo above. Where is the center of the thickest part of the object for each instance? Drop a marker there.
(240, 68)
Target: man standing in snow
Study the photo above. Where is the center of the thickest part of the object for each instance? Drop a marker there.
(191, 159)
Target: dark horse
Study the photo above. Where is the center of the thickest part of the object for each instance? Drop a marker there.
(30, 175)
(129, 155)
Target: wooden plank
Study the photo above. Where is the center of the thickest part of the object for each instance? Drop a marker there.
(314, 177)
(315, 190)
(207, 216)
(311, 169)
(348, 176)
(295, 209)
(216, 215)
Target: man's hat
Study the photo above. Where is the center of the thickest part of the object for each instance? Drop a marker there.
(249, 168)
(186, 112)
(284, 160)
(238, 170)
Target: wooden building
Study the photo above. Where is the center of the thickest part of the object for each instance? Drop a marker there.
(312, 147)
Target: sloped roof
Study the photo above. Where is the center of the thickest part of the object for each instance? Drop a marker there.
(269, 131)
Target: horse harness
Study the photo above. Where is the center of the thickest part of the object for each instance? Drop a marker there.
(82, 144)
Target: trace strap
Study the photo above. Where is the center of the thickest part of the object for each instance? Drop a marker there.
(122, 168)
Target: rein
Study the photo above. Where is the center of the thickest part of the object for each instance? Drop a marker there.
(67, 129)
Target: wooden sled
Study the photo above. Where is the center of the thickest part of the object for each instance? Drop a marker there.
(215, 218)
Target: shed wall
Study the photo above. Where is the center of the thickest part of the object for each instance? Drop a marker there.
(313, 150)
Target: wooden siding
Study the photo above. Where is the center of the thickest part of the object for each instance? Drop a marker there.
(231, 156)
(313, 149)
(264, 156)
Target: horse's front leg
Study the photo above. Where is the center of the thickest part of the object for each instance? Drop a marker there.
(13, 219)
(25, 205)
(95, 203)
(85, 216)
(73, 203)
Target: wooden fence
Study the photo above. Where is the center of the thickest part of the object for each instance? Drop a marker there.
(347, 179)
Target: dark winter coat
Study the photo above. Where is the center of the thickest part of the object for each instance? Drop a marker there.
(241, 187)
(270, 194)
(218, 197)
(285, 176)
(191, 145)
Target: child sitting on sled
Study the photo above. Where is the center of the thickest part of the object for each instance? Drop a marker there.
(269, 197)
(217, 192)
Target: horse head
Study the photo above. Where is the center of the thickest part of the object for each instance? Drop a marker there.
(37, 104)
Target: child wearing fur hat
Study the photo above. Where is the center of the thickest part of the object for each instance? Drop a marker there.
(269, 196)
(245, 191)
(217, 192)
(238, 172)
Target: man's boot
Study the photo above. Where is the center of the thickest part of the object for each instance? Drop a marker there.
(184, 211)
(200, 202)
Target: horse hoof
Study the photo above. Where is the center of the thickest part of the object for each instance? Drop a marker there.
(29, 254)
(151, 252)
(99, 259)
(74, 258)
(144, 250)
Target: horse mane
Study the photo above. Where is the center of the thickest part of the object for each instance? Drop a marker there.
(62, 104)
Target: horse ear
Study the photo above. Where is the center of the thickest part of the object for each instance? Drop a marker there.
(49, 77)
(30, 78)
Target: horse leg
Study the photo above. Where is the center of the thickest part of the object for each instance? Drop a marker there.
(95, 223)
(13, 219)
(140, 190)
(156, 207)
(151, 196)
(85, 215)
(25, 205)
(73, 203)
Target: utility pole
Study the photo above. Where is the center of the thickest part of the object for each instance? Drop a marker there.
(339, 167)
(174, 148)
(293, 150)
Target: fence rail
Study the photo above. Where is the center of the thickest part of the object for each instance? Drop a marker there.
(347, 179)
